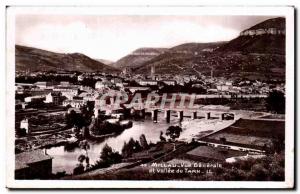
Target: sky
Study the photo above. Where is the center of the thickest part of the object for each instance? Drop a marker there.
(112, 37)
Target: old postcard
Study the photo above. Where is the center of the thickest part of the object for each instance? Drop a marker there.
(150, 97)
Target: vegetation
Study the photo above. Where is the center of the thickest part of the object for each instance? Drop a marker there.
(75, 119)
(104, 127)
(108, 157)
(130, 148)
(276, 102)
(270, 168)
(79, 169)
(20, 132)
(173, 132)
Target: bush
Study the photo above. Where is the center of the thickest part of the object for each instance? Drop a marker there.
(108, 156)
(21, 132)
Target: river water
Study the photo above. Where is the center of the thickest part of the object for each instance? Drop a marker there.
(66, 160)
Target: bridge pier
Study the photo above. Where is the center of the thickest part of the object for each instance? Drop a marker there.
(194, 115)
(222, 116)
(168, 115)
(180, 115)
(207, 115)
(154, 115)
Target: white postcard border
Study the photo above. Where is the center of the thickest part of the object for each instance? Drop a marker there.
(286, 11)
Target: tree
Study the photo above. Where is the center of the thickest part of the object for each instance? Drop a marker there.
(85, 146)
(143, 142)
(21, 132)
(162, 138)
(108, 156)
(79, 169)
(131, 147)
(275, 102)
(223, 140)
(173, 132)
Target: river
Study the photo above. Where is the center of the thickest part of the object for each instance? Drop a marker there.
(66, 160)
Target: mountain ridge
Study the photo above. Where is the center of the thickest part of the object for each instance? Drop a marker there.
(35, 59)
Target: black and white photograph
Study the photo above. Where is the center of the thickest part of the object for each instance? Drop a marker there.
(140, 97)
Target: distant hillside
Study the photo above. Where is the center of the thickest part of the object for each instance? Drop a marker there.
(138, 57)
(33, 59)
(255, 54)
(196, 47)
(278, 23)
(105, 62)
(265, 37)
(272, 44)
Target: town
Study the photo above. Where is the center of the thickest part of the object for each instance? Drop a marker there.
(70, 125)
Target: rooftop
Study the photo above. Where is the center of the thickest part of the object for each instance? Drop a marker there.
(25, 158)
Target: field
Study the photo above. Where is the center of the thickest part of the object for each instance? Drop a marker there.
(254, 133)
(208, 154)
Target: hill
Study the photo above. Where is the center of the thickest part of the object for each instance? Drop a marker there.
(105, 62)
(196, 47)
(265, 37)
(33, 59)
(144, 56)
(278, 23)
(138, 57)
(255, 54)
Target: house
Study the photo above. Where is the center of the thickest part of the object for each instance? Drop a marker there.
(80, 78)
(24, 124)
(67, 91)
(54, 97)
(86, 96)
(148, 82)
(134, 89)
(103, 84)
(64, 83)
(224, 87)
(40, 98)
(33, 165)
(116, 80)
(75, 102)
(44, 85)
(169, 82)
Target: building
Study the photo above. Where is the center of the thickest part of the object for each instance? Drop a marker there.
(64, 83)
(54, 97)
(34, 98)
(134, 89)
(75, 102)
(223, 87)
(127, 71)
(103, 84)
(116, 80)
(169, 82)
(152, 70)
(33, 165)
(67, 91)
(24, 124)
(80, 78)
(148, 82)
(44, 85)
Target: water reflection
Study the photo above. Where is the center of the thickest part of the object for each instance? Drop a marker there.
(66, 160)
